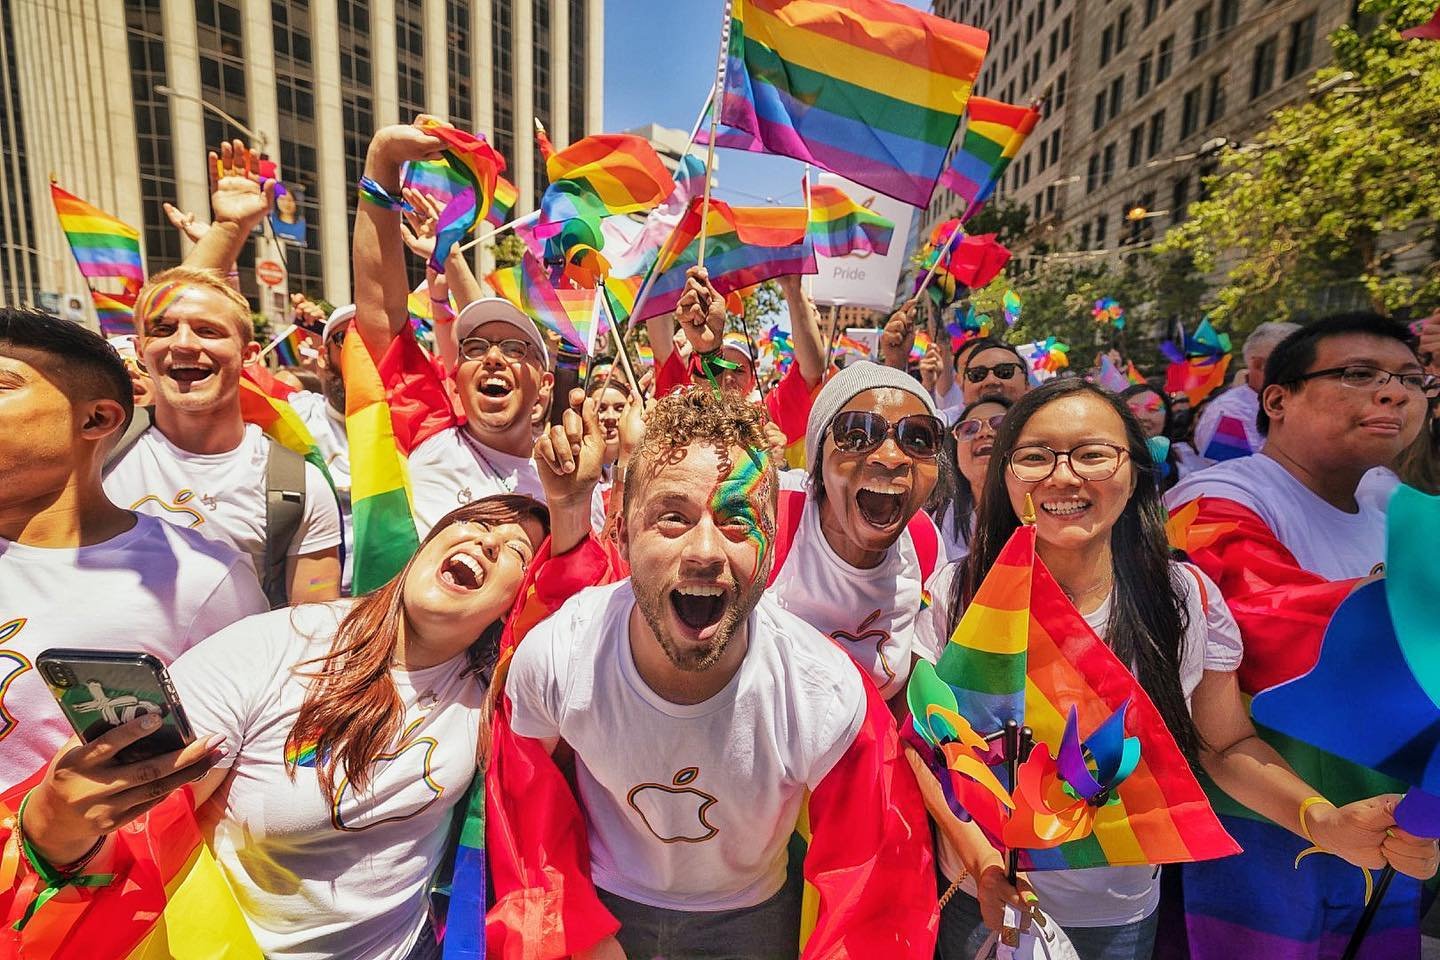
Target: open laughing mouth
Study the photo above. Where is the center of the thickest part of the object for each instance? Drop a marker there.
(463, 572)
(699, 608)
(496, 388)
(1066, 509)
(881, 504)
(189, 374)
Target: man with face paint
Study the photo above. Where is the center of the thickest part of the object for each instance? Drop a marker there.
(699, 713)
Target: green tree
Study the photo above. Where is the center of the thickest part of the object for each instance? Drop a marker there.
(1004, 217)
(509, 250)
(763, 307)
(1337, 202)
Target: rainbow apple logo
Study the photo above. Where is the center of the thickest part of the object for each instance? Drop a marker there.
(863, 635)
(403, 786)
(12, 665)
(675, 813)
(178, 506)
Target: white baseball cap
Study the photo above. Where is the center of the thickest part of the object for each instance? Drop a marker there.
(499, 310)
(338, 318)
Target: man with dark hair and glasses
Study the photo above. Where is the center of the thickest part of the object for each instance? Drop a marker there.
(1287, 539)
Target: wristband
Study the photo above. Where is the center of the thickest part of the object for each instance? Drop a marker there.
(54, 878)
(372, 192)
(1305, 806)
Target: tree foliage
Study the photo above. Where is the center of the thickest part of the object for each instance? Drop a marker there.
(1336, 203)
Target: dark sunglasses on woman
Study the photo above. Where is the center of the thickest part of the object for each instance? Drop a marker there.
(1002, 371)
(861, 431)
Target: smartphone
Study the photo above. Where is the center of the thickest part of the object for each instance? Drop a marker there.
(98, 691)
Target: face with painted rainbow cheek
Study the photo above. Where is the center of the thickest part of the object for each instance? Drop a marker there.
(741, 504)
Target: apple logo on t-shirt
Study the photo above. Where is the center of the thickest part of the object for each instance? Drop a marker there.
(11, 666)
(863, 634)
(178, 505)
(402, 786)
(674, 814)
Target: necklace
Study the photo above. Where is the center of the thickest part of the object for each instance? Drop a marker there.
(508, 482)
(1100, 587)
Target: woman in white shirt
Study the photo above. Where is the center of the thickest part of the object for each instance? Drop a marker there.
(1080, 455)
(973, 437)
(343, 733)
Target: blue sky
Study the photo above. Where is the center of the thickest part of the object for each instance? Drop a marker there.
(660, 58)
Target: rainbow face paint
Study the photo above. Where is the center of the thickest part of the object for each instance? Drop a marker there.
(156, 303)
(739, 508)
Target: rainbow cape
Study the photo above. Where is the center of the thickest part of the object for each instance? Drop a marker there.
(840, 226)
(1105, 784)
(104, 249)
(868, 89)
(994, 133)
(385, 535)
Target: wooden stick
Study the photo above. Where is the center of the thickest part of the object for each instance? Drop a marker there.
(276, 341)
(503, 228)
(714, 126)
(830, 340)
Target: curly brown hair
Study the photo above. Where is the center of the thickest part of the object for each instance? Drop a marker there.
(700, 415)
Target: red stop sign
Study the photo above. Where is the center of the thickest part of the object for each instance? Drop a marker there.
(269, 273)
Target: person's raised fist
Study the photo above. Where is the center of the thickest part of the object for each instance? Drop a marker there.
(700, 312)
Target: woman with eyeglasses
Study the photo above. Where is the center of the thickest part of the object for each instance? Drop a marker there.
(854, 552)
(1079, 455)
(972, 439)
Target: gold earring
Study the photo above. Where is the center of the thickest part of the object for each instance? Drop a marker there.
(1028, 516)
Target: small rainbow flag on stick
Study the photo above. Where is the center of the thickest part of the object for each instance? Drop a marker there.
(503, 203)
(527, 285)
(1105, 784)
(840, 226)
(105, 249)
(994, 133)
(116, 312)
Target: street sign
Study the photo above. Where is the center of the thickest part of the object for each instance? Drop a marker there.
(269, 272)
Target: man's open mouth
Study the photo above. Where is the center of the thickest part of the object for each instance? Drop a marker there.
(496, 387)
(183, 373)
(880, 504)
(698, 607)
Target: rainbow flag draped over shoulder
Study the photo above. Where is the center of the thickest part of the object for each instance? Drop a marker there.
(744, 246)
(1105, 784)
(994, 133)
(385, 535)
(869, 89)
(278, 419)
(840, 226)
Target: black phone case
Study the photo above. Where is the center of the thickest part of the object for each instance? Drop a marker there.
(98, 691)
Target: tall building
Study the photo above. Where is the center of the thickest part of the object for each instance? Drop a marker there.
(311, 79)
(1142, 94)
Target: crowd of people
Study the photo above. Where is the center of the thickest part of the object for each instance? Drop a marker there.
(669, 626)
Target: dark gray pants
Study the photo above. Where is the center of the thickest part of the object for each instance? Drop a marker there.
(766, 931)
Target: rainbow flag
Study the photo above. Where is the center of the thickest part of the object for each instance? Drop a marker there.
(385, 535)
(646, 353)
(503, 203)
(278, 419)
(527, 285)
(868, 89)
(1229, 442)
(846, 345)
(840, 226)
(621, 170)
(620, 294)
(116, 312)
(1022, 652)
(104, 247)
(162, 896)
(994, 132)
(1197, 377)
(435, 178)
(744, 246)
(474, 162)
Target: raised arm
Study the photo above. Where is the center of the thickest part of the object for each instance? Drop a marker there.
(239, 200)
(805, 335)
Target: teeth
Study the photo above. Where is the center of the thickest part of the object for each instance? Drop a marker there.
(469, 562)
(890, 489)
(1064, 507)
(702, 591)
(495, 382)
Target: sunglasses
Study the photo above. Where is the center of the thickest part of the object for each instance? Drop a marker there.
(970, 429)
(861, 431)
(1002, 371)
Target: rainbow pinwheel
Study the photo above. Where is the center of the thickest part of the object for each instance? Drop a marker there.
(1010, 303)
(1052, 356)
(1107, 310)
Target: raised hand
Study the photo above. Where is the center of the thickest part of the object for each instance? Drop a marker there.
(700, 312)
(568, 455)
(402, 142)
(307, 313)
(419, 223)
(899, 336)
(185, 222)
(930, 366)
(238, 195)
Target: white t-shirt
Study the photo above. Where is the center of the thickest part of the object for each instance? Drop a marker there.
(1239, 403)
(154, 589)
(873, 613)
(1376, 487)
(314, 882)
(1111, 896)
(452, 468)
(220, 495)
(327, 426)
(1324, 540)
(689, 807)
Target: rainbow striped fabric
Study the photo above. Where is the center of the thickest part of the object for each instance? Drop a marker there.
(474, 162)
(116, 312)
(744, 246)
(385, 535)
(1229, 441)
(621, 170)
(869, 89)
(104, 247)
(435, 178)
(503, 203)
(527, 285)
(279, 421)
(994, 133)
(1022, 652)
(840, 226)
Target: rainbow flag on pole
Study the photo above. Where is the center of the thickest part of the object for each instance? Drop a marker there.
(994, 133)
(869, 89)
(104, 249)
(1022, 652)
(527, 285)
(840, 226)
(116, 312)
(503, 203)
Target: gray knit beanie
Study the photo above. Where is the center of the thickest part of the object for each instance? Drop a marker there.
(844, 387)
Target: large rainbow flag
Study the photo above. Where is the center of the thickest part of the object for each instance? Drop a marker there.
(1022, 652)
(994, 133)
(869, 89)
(385, 535)
(105, 249)
(840, 226)
(744, 246)
(528, 286)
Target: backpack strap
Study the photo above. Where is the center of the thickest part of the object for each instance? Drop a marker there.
(143, 420)
(788, 511)
(1199, 582)
(926, 538)
(284, 506)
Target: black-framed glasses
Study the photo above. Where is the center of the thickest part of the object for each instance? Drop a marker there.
(970, 429)
(511, 348)
(1002, 371)
(1365, 377)
(861, 431)
(1088, 461)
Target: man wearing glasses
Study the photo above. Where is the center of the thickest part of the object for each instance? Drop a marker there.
(1286, 538)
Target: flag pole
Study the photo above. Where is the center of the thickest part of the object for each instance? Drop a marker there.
(809, 278)
(959, 231)
(717, 90)
(276, 341)
(830, 340)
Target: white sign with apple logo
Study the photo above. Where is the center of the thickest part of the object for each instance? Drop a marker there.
(674, 813)
(864, 279)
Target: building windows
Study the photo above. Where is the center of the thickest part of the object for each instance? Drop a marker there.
(460, 61)
(1039, 208)
(1107, 44)
(1142, 75)
(1029, 26)
(19, 265)
(1055, 145)
(1107, 165)
(410, 57)
(1262, 67)
(1060, 84)
(1179, 198)
(1300, 51)
(540, 78)
(357, 105)
(1122, 30)
(1157, 134)
(579, 50)
(1215, 106)
(502, 30)
(1097, 116)
(1054, 48)
(1044, 154)
(1102, 225)
(219, 28)
(1152, 8)
(145, 34)
(1137, 145)
(1117, 96)
(1025, 174)
(1190, 113)
(1050, 198)
(1092, 173)
(299, 165)
(1165, 59)
(1200, 38)
(1065, 33)
(1084, 236)
(1229, 15)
